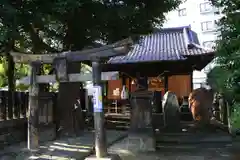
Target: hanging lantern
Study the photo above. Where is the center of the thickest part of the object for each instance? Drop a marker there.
(133, 82)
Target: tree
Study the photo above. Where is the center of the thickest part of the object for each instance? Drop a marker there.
(228, 48)
(21, 70)
(63, 25)
(17, 33)
(217, 78)
(226, 75)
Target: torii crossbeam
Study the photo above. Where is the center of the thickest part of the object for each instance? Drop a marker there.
(94, 55)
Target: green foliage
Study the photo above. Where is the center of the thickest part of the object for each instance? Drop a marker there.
(225, 77)
(21, 70)
(235, 116)
(3, 77)
(41, 26)
(73, 24)
(217, 78)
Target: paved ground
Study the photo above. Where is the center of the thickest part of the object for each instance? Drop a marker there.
(190, 152)
(81, 147)
(65, 149)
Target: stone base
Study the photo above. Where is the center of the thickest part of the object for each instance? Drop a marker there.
(110, 157)
(47, 134)
(141, 142)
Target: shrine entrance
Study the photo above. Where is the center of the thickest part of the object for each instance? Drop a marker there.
(60, 61)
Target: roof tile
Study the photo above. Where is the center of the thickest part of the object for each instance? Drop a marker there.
(169, 44)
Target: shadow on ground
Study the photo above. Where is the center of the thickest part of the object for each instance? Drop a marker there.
(64, 149)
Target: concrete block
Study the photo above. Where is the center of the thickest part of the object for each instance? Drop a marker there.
(143, 143)
(109, 157)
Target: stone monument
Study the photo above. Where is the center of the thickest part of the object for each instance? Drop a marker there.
(171, 111)
(141, 132)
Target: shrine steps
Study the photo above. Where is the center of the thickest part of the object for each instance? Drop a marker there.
(190, 138)
(117, 121)
(187, 136)
(194, 147)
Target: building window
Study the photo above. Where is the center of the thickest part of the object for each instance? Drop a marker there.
(205, 7)
(208, 26)
(209, 44)
(182, 12)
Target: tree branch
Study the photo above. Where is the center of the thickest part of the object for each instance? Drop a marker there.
(38, 42)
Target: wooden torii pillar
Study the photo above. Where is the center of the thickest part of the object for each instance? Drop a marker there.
(60, 60)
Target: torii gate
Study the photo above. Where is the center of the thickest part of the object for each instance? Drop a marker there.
(60, 60)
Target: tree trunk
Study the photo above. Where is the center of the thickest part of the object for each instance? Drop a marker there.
(67, 96)
(11, 86)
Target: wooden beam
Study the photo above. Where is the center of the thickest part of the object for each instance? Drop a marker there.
(165, 83)
(191, 77)
(75, 77)
(116, 49)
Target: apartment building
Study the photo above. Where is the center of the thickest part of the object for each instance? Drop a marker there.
(200, 15)
(203, 18)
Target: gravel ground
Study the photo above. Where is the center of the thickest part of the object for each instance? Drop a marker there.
(179, 152)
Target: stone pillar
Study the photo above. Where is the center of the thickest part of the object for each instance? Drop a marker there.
(100, 133)
(33, 109)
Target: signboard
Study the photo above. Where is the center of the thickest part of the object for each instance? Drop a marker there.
(97, 99)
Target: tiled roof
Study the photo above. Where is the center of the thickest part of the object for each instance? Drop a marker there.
(169, 44)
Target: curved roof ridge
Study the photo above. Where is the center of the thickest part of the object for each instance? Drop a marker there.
(202, 47)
